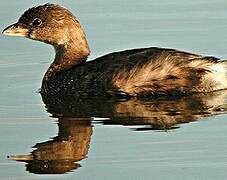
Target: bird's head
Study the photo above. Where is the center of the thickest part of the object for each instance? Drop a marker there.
(49, 23)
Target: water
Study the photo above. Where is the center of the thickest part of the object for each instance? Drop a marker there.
(135, 140)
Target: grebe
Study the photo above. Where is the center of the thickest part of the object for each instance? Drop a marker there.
(137, 72)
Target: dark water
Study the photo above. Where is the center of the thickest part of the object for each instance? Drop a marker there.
(133, 139)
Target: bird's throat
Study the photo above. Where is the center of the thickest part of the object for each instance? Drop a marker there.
(66, 57)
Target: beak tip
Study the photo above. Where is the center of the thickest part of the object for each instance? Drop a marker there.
(15, 30)
(5, 31)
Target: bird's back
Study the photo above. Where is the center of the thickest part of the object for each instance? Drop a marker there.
(147, 71)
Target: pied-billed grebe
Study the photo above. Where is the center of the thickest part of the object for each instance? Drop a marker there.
(136, 72)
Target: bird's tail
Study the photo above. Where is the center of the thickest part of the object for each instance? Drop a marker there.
(203, 74)
(217, 75)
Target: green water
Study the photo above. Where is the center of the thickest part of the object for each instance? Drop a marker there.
(124, 147)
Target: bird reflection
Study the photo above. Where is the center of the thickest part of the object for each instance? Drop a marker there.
(62, 153)
(153, 114)
(59, 155)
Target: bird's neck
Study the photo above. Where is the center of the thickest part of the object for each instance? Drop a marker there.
(66, 56)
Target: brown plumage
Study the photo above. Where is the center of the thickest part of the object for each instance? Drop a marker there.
(137, 72)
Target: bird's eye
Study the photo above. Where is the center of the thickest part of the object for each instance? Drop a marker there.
(36, 22)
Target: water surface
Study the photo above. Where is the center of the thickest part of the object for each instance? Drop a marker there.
(175, 139)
